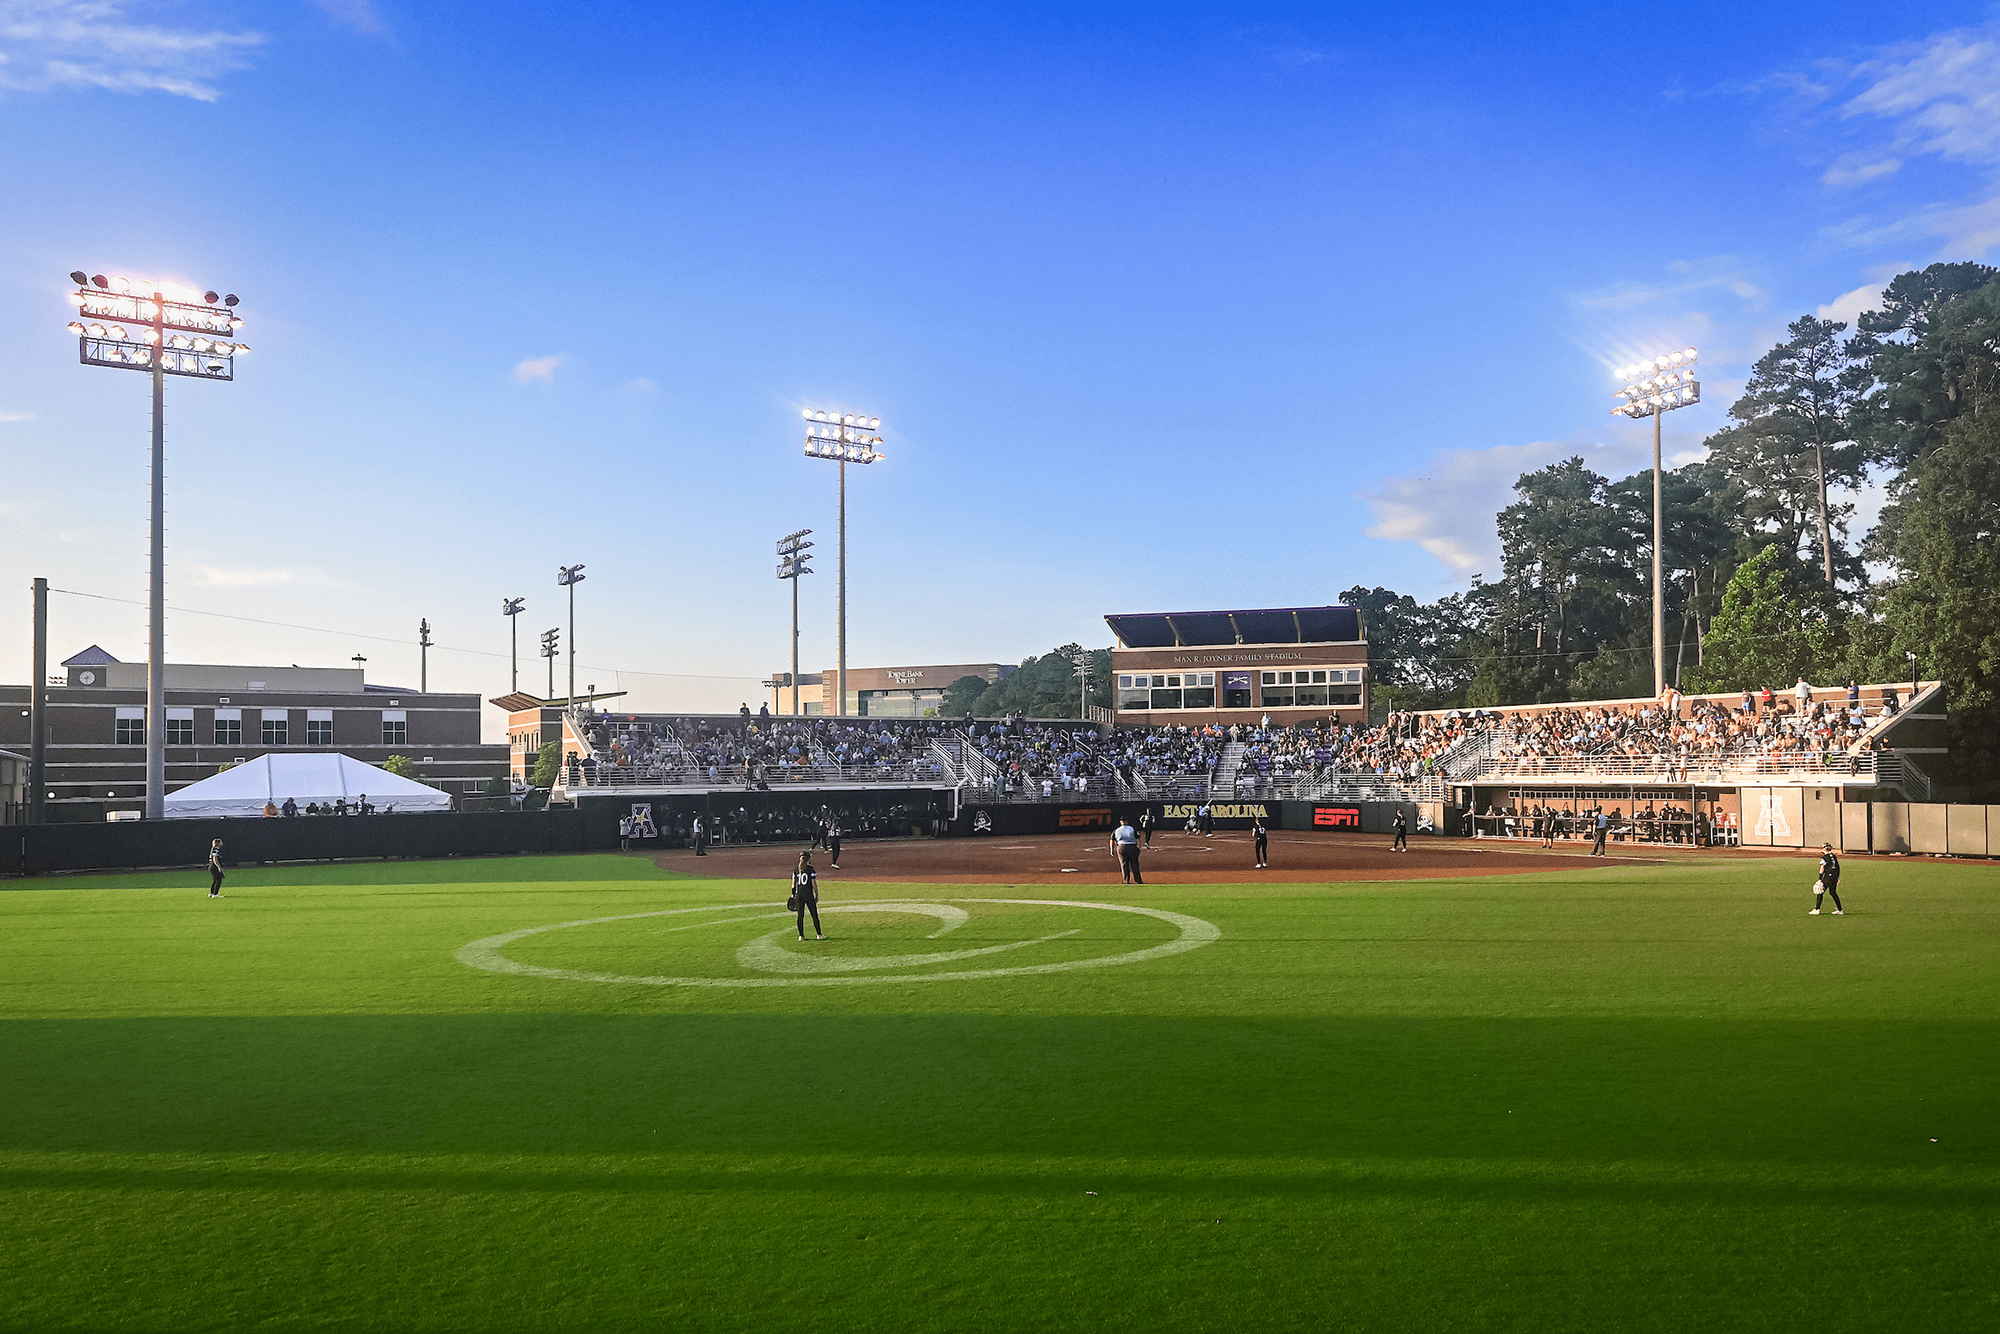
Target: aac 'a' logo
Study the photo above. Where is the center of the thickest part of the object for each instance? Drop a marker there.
(1771, 816)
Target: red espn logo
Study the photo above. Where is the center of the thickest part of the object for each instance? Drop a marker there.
(1337, 817)
(1084, 817)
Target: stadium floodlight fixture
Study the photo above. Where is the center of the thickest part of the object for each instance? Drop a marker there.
(569, 576)
(163, 329)
(843, 438)
(1654, 387)
(793, 563)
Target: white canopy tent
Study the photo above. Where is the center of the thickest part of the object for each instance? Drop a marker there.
(320, 777)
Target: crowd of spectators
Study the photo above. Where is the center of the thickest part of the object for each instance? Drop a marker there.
(1040, 759)
(1804, 725)
(761, 749)
(1044, 759)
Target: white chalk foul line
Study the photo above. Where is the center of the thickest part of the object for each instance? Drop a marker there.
(486, 953)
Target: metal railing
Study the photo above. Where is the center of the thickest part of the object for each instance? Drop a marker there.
(1718, 769)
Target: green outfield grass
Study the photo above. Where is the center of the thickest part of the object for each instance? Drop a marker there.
(1626, 1097)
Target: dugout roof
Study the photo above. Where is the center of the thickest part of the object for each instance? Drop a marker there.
(1269, 625)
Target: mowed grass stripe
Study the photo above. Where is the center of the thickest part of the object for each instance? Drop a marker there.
(1646, 1097)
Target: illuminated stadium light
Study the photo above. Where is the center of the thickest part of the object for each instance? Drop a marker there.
(1654, 387)
(162, 328)
(843, 438)
(1658, 384)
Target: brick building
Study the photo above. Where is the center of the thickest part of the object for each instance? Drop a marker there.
(222, 715)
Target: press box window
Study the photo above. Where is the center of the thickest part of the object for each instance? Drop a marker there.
(1133, 691)
(319, 727)
(395, 727)
(180, 727)
(229, 727)
(131, 724)
(277, 727)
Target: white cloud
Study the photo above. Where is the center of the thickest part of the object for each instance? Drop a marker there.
(1449, 511)
(50, 44)
(537, 368)
(1847, 307)
(1938, 97)
(1854, 168)
(1942, 94)
(16, 417)
(642, 385)
(359, 15)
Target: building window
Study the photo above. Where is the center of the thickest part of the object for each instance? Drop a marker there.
(131, 727)
(275, 730)
(395, 730)
(1166, 690)
(180, 731)
(319, 731)
(229, 727)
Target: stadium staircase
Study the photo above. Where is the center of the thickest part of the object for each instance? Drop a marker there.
(1222, 780)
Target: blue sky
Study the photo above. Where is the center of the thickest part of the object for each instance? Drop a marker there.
(1160, 307)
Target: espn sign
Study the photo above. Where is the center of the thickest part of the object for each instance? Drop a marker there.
(1336, 817)
(1085, 817)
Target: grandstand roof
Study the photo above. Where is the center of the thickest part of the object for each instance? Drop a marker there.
(1267, 625)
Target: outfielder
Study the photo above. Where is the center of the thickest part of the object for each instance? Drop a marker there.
(1829, 878)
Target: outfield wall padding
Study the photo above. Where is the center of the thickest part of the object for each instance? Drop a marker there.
(33, 849)
(1965, 831)
(1927, 828)
(1855, 818)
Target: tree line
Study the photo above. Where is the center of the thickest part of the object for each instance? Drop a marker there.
(1765, 579)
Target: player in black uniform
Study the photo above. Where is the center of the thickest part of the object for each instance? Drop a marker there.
(1146, 823)
(833, 839)
(1829, 877)
(215, 869)
(1263, 840)
(805, 895)
(1401, 824)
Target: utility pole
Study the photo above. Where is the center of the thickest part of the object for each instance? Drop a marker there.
(38, 717)
(424, 656)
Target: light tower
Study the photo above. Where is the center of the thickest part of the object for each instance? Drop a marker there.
(137, 324)
(792, 563)
(550, 648)
(424, 656)
(843, 438)
(1655, 387)
(511, 609)
(569, 576)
